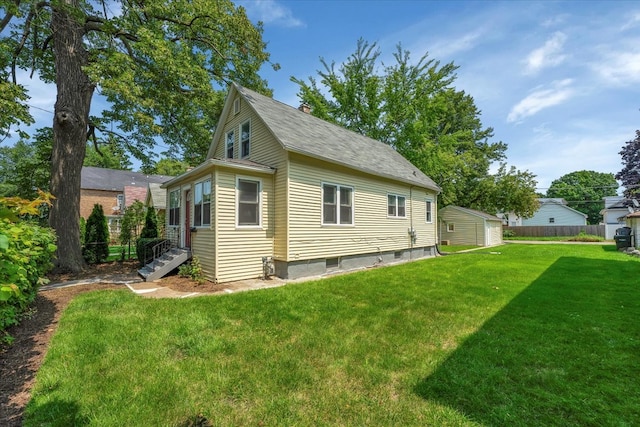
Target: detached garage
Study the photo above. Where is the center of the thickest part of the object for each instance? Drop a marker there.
(462, 226)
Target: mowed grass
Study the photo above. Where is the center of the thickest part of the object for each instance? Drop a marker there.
(533, 335)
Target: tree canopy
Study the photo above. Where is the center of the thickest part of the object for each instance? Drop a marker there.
(584, 191)
(159, 65)
(629, 176)
(25, 167)
(415, 108)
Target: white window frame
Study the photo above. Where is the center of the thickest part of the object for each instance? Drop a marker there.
(396, 205)
(236, 106)
(259, 201)
(177, 199)
(429, 211)
(339, 188)
(451, 227)
(231, 134)
(200, 184)
(247, 139)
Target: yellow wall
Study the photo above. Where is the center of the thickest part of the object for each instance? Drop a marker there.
(373, 230)
(240, 249)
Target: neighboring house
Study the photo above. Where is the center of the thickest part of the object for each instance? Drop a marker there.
(462, 226)
(114, 190)
(283, 189)
(510, 219)
(616, 208)
(555, 212)
(156, 198)
(632, 221)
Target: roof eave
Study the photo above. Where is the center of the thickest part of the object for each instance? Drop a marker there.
(216, 162)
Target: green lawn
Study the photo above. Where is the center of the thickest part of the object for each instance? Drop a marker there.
(540, 335)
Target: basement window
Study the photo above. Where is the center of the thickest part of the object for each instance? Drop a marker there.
(397, 254)
(332, 263)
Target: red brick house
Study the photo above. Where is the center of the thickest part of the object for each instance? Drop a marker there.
(114, 190)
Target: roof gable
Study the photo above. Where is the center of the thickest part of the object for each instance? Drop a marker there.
(302, 133)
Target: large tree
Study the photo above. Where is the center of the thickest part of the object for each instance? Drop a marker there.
(629, 176)
(414, 108)
(160, 65)
(584, 191)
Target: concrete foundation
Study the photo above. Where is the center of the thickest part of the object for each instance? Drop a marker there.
(322, 266)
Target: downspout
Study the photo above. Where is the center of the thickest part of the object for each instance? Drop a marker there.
(412, 231)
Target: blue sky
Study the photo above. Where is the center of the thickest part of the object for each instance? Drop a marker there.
(557, 81)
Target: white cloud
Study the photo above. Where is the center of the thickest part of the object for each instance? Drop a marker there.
(541, 99)
(452, 46)
(619, 68)
(549, 55)
(271, 12)
(633, 21)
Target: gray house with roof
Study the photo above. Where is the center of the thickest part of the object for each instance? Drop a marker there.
(285, 193)
(114, 190)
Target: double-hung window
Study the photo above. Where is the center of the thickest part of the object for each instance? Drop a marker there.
(229, 144)
(245, 139)
(202, 204)
(429, 207)
(248, 202)
(174, 207)
(337, 204)
(396, 206)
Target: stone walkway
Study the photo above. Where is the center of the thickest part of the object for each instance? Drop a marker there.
(154, 290)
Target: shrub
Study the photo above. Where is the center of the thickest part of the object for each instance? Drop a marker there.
(150, 229)
(584, 237)
(96, 245)
(192, 270)
(26, 250)
(508, 233)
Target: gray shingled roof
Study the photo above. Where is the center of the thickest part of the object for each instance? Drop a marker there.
(480, 214)
(93, 178)
(305, 134)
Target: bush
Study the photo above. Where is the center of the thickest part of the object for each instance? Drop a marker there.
(26, 250)
(96, 245)
(192, 270)
(584, 237)
(144, 249)
(508, 233)
(150, 229)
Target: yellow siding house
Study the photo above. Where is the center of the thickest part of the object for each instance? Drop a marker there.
(286, 193)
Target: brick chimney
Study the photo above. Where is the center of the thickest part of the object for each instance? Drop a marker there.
(305, 108)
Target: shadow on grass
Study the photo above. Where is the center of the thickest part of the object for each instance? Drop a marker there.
(60, 413)
(565, 351)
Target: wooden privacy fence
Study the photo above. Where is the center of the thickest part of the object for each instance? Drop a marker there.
(556, 230)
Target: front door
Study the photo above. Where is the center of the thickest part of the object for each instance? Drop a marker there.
(187, 219)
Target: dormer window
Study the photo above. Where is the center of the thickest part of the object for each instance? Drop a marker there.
(229, 144)
(245, 139)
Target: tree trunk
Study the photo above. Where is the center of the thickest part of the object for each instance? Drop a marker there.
(71, 115)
